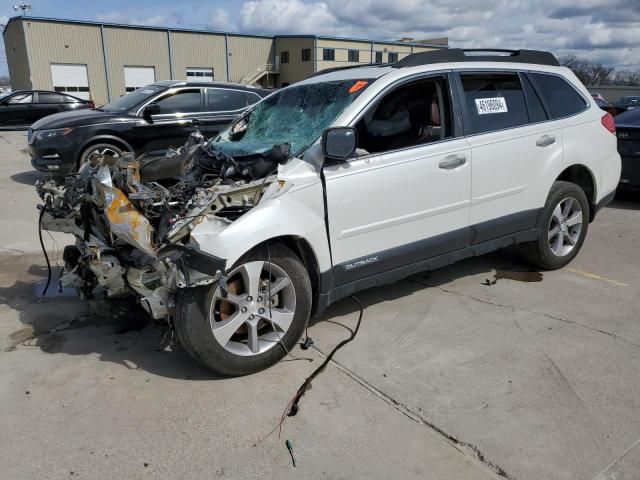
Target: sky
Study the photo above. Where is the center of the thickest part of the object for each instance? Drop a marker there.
(604, 31)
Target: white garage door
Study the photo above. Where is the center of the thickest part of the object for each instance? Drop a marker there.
(136, 77)
(71, 79)
(199, 74)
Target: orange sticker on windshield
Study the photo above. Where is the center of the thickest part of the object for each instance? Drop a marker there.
(359, 85)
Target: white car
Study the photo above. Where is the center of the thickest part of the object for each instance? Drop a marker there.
(353, 178)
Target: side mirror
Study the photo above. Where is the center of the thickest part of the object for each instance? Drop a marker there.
(339, 143)
(151, 109)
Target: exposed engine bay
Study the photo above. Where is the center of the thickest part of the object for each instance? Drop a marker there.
(132, 218)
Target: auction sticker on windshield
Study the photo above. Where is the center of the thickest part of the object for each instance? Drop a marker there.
(491, 105)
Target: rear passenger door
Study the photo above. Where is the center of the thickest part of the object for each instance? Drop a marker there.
(48, 103)
(222, 106)
(513, 147)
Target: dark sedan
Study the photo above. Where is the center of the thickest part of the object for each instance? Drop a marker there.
(628, 133)
(23, 107)
(150, 119)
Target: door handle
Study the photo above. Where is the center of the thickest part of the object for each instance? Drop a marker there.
(546, 140)
(452, 161)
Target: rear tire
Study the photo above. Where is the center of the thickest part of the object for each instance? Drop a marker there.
(563, 227)
(237, 335)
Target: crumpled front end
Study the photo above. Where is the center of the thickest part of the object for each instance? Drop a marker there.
(132, 220)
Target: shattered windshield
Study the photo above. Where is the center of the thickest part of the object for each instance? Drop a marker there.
(296, 115)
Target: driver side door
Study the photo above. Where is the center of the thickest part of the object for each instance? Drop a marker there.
(408, 200)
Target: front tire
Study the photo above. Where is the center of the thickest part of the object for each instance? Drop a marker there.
(563, 228)
(244, 332)
(100, 149)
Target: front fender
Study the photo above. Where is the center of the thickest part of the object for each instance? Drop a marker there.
(298, 213)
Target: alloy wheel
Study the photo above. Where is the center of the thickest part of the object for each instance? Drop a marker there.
(256, 312)
(565, 226)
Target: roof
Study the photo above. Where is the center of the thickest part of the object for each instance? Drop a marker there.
(419, 43)
(213, 32)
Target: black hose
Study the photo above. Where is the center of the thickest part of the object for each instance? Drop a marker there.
(44, 250)
(292, 409)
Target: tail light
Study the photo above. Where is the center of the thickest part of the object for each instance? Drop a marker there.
(608, 122)
(91, 104)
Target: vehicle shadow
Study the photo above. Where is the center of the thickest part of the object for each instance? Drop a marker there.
(504, 260)
(626, 200)
(62, 323)
(28, 178)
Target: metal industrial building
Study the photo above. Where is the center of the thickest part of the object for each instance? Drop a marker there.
(104, 60)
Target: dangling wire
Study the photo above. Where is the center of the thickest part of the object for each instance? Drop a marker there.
(291, 409)
(44, 251)
(270, 320)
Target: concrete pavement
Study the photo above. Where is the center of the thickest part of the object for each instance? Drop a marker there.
(533, 376)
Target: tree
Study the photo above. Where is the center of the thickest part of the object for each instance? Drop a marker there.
(592, 74)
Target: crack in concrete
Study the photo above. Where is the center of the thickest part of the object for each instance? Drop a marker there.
(513, 307)
(467, 449)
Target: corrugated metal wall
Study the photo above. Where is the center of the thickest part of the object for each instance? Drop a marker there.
(17, 60)
(135, 47)
(50, 42)
(198, 51)
(248, 54)
(296, 69)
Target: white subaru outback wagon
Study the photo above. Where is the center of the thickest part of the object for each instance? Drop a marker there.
(353, 178)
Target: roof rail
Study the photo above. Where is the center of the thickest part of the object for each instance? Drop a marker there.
(537, 57)
(347, 67)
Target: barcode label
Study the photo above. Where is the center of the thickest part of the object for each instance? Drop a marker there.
(491, 105)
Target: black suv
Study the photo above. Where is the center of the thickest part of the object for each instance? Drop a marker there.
(150, 119)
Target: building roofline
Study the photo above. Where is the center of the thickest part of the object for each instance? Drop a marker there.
(366, 40)
(131, 26)
(214, 32)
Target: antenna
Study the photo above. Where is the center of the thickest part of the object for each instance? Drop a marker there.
(23, 6)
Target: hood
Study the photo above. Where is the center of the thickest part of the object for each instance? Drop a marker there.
(628, 119)
(79, 118)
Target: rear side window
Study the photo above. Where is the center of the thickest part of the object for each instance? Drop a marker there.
(494, 101)
(562, 99)
(221, 100)
(46, 97)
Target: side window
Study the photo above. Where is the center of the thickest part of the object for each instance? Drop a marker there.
(328, 54)
(534, 105)
(412, 114)
(45, 97)
(493, 101)
(21, 98)
(251, 98)
(184, 101)
(220, 100)
(561, 98)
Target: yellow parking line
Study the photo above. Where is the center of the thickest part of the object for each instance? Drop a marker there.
(598, 277)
